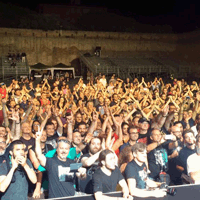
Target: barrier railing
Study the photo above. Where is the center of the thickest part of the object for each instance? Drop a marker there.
(184, 192)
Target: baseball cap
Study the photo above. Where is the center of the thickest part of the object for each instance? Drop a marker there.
(143, 119)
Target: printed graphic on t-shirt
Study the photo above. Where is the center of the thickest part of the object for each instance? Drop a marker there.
(143, 174)
(52, 143)
(161, 157)
(64, 174)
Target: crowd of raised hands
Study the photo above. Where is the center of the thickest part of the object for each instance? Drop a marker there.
(24, 102)
(98, 107)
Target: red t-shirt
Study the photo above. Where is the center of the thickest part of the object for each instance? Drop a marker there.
(116, 137)
(3, 92)
(41, 101)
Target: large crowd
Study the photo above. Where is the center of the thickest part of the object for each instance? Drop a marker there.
(101, 135)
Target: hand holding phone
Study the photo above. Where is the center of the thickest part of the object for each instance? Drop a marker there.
(169, 137)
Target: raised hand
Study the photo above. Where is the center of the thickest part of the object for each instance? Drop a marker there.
(15, 115)
(38, 133)
(95, 116)
(70, 118)
(22, 160)
(14, 162)
(166, 110)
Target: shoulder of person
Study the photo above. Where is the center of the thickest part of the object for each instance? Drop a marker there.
(70, 161)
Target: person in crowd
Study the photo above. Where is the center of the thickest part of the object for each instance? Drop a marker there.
(51, 136)
(16, 172)
(158, 153)
(125, 157)
(26, 137)
(186, 151)
(61, 180)
(86, 110)
(133, 137)
(136, 174)
(194, 128)
(106, 178)
(90, 162)
(193, 163)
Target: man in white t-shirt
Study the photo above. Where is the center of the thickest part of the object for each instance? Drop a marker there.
(193, 163)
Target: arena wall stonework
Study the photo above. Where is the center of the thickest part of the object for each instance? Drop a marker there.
(53, 47)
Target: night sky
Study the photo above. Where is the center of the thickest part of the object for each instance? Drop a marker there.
(172, 12)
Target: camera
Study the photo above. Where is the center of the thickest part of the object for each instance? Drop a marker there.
(170, 191)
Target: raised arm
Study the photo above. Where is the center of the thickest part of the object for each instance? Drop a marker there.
(60, 124)
(70, 126)
(93, 125)
(163, 115)
(5, 116)
(27, 114)
(41, 157)
(6, 180)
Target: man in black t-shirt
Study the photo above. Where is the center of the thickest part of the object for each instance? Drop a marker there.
(61, 179)
(15, 173)
(158, 155)
(51, 136)
(90, 161)
(26, 138)
(185, 152)
(144, 130)
(136, 174)
(106, 178)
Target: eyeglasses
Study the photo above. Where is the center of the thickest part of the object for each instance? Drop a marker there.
(176, 131)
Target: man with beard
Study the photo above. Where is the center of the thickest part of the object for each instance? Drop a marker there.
(185, 152)
(78, 144)
(175, 175)
(82, 128)
(193, 163)
(15, 173)
(61, 179)
(106, 178)
(89, 161)
(2, 149)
